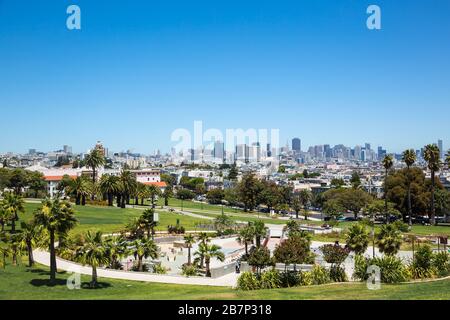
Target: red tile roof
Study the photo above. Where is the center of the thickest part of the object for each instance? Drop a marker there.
(57, 178)
(161, 184)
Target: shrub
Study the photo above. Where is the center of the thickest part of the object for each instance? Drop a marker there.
(360, 270)
(248, 281)
(389, 239)
(401, 226)
(189, 270)
(391, 268)
(290, 279)
(441, 263)
(319, 275)
(159, 269)
(337, 274)
(270, 280)
(357, 238)
(334, 254)
(421, 266)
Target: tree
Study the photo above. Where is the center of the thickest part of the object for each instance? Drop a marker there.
(57, 217)
(18, 180)
(431, 156)
(185, 194)
(296, 205)
(116, 249)
(295, 250)
(92, 253)
(153, 192)
(167, 194)
(388, 162)
(246, 237)
(337, 182)
(409, 157)
(259, 231)
(233, 173)
(355, 180)
(305, 174)
(223, 223)
(207, 252)
(389, 239)
(305, 199)
(31, 235)
(110, 186)
(80, 188)
(189, 241)
(259, 259)
(281, 169)
(128, 185)
(357, 238)
(94, 160)
(64, 185)
(13, 204)
(147, 220)
(215, 196)
(36, 183)
(143, 249)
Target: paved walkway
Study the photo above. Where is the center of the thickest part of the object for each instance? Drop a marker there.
(43, 258)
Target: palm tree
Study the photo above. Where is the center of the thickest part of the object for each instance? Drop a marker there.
(409, 157)
(431, 156)
(116, 249)
(80, 188)
(154, 192)
(93, 253)
(30, 236)
(296, 205)
(388, 162)
(208, 251)
(13, 204)
(128, 186)
(389, 239)
(109, 185)
(189, 241)
(3, 217)
(259, 231)
(5, 252)
(305, 198)
(204, 238)
(357, 238)
(142, 193)
(15, 248)
(57, 217)
(95, 159)
(246, 237)
(143, 249)
(147, 220)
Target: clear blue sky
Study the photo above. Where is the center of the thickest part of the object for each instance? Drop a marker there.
(140, 69)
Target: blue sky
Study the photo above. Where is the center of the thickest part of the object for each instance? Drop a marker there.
(140, 69)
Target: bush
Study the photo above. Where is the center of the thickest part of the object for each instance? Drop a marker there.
(189, 270)
(176, 229)
(248, 281)
(159, 269)
(441, 263)
(337, 274)
(391, 268)
(99, 203)
(290, 279)
(334, 254)
(270, 280)
(401, 226)
(319, 275)
(421, 266)
(360, 270)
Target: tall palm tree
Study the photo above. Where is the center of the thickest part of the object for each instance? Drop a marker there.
(14, 247)
(207, 252)
(431, 156)
(389, 239)
(116, 249)
(57, 217)
(147, 220)
(80, 189)
(189, 241)
(93, 253)
(305, 197)
(154, 192)
(144, 248)
(94, 160)
(13, 205)
(409, 157)
(128, 186)
(142, 193)
(204, 238)
(5, 252)
(110, 186)
(31, 235)
(246, 237)
(388, 162)
(259, 231)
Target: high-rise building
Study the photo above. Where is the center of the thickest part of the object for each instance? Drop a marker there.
(296, 145)
(367, 146)
(441, 149)
(269, 150)
(67, 149)
(219, 153)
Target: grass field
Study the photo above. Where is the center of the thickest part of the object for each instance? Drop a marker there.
(24, 284)
(112, 219)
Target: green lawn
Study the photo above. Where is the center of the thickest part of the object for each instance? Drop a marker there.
(24, 283)
(113, 219)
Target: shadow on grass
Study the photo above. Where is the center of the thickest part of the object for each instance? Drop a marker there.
(47, 283)
(100, 285)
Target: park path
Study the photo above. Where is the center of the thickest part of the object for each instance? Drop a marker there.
(43, 257)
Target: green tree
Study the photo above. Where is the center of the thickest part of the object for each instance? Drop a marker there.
(409, 157)
(337, 182)
(189, 241)
(116, 249)
(295, 250)
(167, 194)
(153, 192)
(18, 180)
(355, 180)
(305, 199)
(93, 253)
(259, 231)
(13, 204)
(357, 238)
(110, 186)
(246, 236)
(36, 183)
(248, 191)
(128, 185)
(389, 239)
(259, 259)
(57, 217)
(143, 249)
(31, 236)
(388, 162)
(207, 252)
(215, 196)
(233, 173)
(431, 156)
(79, 188)
(148, 222)
(94, 160)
